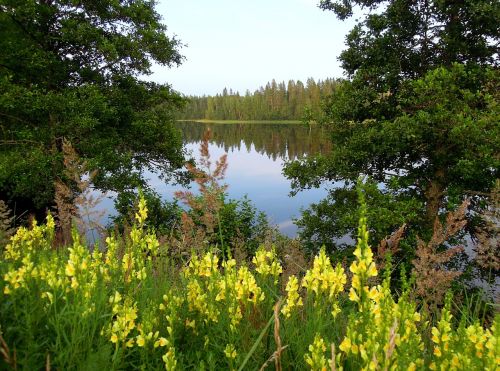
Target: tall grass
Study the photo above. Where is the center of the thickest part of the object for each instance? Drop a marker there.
(128, 305)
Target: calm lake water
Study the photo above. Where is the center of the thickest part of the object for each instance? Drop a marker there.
(256, 154)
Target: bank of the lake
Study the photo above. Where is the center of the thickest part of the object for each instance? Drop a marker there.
(204, 121)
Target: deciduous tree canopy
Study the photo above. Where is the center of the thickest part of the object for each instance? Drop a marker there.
(419, 113)
(72, 70)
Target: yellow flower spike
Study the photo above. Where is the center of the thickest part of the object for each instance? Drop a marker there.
(114, 338)
(142, 213)
(190, 323)
(353, 296)
(169, 359)
(230, 351)
(336, 310)
(162, 342)
(372, 270)
(293, 298)
(316, 357)
(374, 293)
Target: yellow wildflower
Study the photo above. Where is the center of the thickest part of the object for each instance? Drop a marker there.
(141, 340)
(293, 298)
(230, 351)
(316, 357)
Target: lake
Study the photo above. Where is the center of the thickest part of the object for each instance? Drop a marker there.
(256, 154)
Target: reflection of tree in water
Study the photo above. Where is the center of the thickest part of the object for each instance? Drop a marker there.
(283, 141)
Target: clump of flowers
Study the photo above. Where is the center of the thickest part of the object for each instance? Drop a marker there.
(124, 314)
(471, 348)
(266, 263)
(23, 254)
(293, 299)
(384, 333)
(323, 281)
(214, 310)
(316, 356)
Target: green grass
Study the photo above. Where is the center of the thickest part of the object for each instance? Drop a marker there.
(203, 121)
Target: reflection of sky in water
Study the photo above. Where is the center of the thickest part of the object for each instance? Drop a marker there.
(260, 178)
(256, 173)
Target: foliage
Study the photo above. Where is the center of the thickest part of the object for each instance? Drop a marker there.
(275, 101)
(418, 114)
(212, 219)
(329, 222)
(163, 216)
(129, 307)
(70, 71)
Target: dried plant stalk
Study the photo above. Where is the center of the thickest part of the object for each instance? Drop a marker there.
(389, 245)
(73, 197)
(8, 358)
(6, 221)
(432, 278)
(487, 246)
(276, 356)
(197, 228)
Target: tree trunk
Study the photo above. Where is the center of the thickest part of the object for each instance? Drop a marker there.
(434, 196)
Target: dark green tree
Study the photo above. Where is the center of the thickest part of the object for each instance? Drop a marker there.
(418, 115)
(73, 70)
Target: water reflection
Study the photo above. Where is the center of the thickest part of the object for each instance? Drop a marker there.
(275, 140)
(256, 154)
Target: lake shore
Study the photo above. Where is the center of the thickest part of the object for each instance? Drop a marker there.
(204, 121)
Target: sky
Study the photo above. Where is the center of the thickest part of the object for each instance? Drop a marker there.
(242, 44)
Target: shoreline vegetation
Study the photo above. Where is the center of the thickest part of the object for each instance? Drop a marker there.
(197, 300)
(135, 305)
(205, 121)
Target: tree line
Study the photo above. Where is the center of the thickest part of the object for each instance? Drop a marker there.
(275, 101)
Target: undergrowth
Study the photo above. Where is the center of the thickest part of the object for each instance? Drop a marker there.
(128, 305)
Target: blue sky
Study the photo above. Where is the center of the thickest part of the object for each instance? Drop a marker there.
(242, 44)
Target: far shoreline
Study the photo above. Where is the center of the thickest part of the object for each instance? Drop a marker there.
(204, 121)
